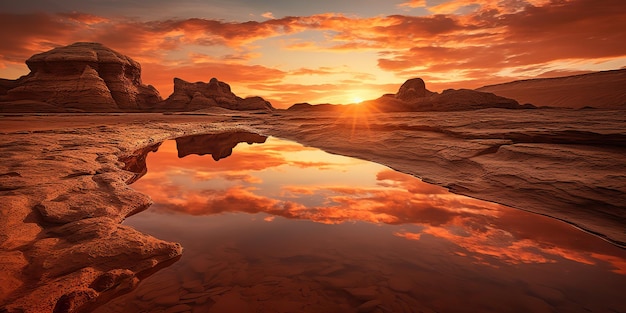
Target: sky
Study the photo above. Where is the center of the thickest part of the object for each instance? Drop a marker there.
(327, 51)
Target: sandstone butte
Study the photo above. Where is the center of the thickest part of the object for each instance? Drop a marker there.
(89, 77)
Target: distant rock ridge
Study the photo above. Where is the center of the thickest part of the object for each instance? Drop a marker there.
(196, 96)
(89, 77)
(83, 76)
(413, 96)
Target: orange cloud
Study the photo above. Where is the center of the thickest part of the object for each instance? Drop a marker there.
(482, 42)
(413, 4)
(487, 233)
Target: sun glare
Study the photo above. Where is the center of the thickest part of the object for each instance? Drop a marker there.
(357, 99)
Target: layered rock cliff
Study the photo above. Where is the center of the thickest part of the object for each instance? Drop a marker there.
(89, 77)
(83, 76)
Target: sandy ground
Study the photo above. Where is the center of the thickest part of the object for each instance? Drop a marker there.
(64, 192)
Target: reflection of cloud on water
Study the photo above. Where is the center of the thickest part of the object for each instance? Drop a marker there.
(476, 234)
(238, 177)
(486, 232)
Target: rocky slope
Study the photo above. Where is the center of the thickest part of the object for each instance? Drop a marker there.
(599, 90)
(82, 76)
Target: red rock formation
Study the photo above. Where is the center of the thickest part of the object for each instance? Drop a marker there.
(83, 76)
(196, 96)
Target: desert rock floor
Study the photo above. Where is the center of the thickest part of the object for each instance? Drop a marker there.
(64, 191)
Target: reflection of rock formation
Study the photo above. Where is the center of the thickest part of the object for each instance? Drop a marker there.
(82, 76)
(218, 146)
(195, 96)
(136, 162)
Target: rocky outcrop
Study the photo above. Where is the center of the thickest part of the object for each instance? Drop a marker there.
(62, 248)
(413, 96)
(89, 77)
(197, 96)
(412, 89)
(83, 76)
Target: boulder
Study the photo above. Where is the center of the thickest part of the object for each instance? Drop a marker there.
(199, 95)
(83, 76)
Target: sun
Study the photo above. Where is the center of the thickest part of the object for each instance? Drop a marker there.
(357, 99)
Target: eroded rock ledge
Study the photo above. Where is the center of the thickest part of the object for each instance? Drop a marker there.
(64, 196)
(568, 165)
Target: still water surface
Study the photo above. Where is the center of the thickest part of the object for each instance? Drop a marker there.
(279, 227)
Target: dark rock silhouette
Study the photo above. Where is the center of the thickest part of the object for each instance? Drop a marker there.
(83, 76)
(412, 89)
(414, 97)
(197, 96)
(466, 99)
(317, 107)
(219, 146)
